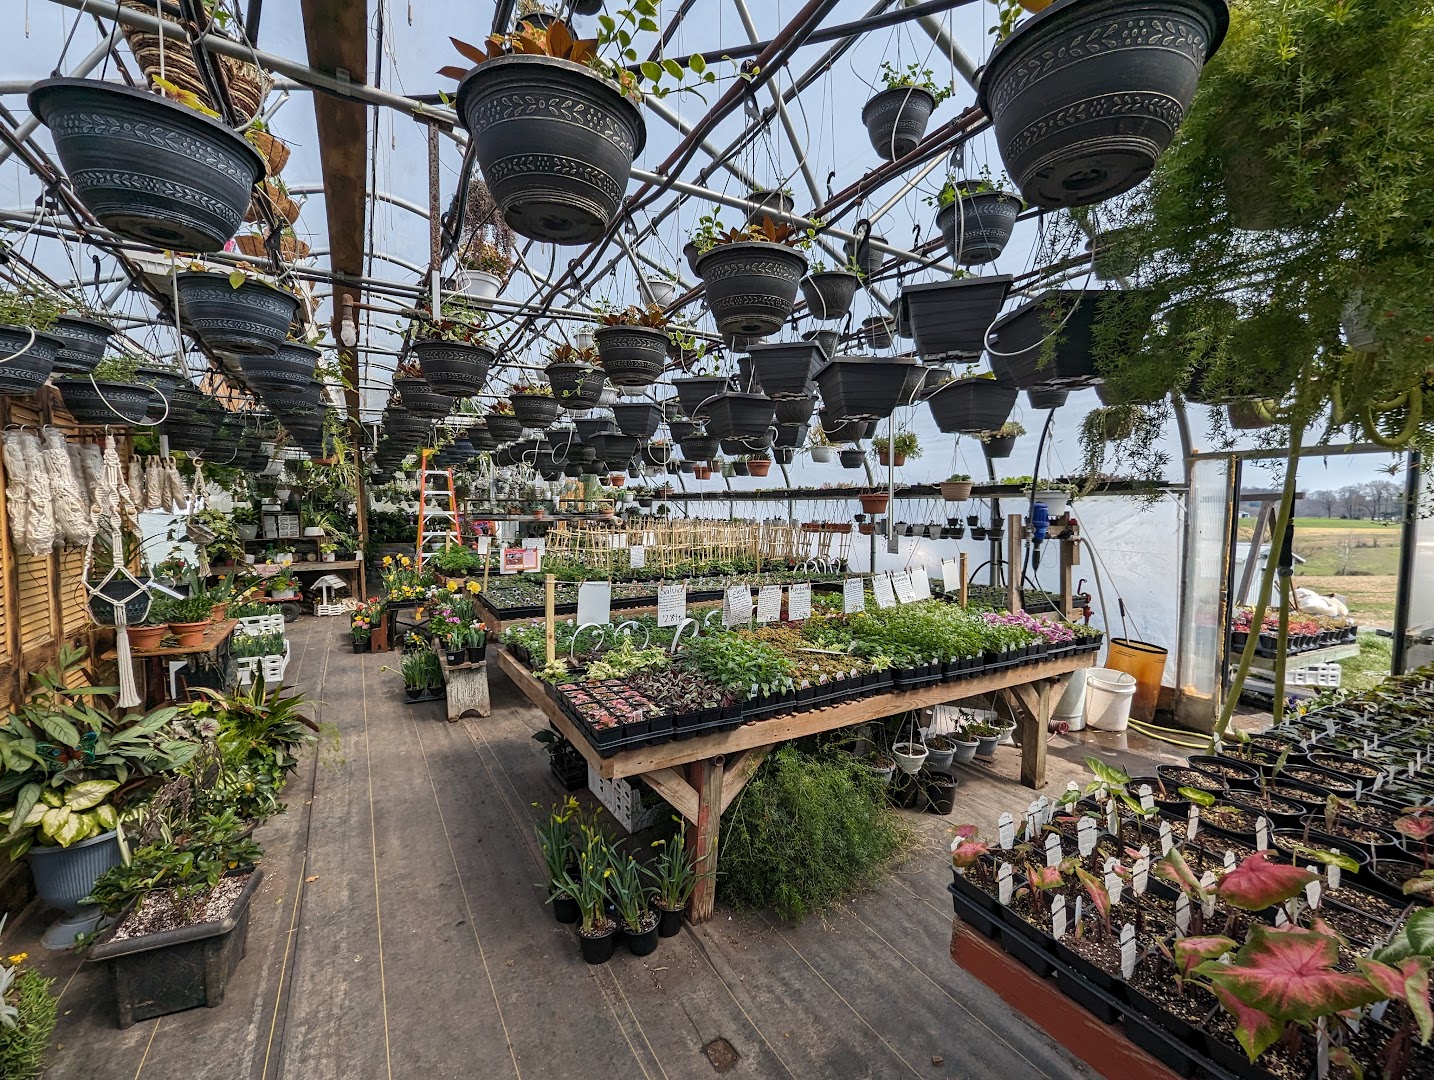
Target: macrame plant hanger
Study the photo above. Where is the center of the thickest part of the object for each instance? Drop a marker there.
(113, 508)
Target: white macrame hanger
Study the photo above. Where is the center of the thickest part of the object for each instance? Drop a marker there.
(118, 587)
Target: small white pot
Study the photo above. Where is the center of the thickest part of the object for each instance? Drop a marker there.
(823, 454)
(249, 559)
(662, 291)
(480, 284)
(282, 494)
(313, 530)
(247, 532)
(909, 757)
(328, 556)
(284, 594)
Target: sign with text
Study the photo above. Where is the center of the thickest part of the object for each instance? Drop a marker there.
(799, 601)
(517, 560)
(671, 604)
(901, 583)
(769, 603)
(881, 588)
(951, 576)
(637, 556)
(737, 605)
(921, 583)
(853, 595)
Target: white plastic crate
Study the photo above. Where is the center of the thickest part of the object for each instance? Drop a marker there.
(623, 799)
(271, 667)
(1323, 675)
(330, 609)
(256, 625)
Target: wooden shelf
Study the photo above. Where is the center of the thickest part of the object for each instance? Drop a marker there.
(213, 638)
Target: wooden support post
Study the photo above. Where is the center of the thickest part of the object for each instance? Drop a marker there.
(1015, 533)
(964, 581)
(548, 618)
(1070, 557)
(706, 777)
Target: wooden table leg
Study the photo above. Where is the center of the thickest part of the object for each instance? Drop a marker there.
(706, 778)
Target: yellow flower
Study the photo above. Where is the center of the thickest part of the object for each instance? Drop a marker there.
(19, 958)
(388, 560)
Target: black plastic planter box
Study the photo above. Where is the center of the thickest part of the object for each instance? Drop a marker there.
(173, 970)
(739, 416)
(949, 319)
(785, 369)
(974, 915)
(639, 419)
(1016, 339)
(867, 387)
(971, 406)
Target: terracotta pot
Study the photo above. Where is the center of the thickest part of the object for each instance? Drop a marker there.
(884, 458)
(219, 612)
(147, 637)
(874, 504)
(189, 634)
(759, 466)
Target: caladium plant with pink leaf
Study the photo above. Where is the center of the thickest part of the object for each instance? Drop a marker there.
(967, 848)
(1259, 882)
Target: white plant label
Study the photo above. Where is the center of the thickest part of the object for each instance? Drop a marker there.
(1331, 876)
(1147, 797)
(1058, 917)
(1262, 833)
(485, 544)
(951, 577)
(1112, 822)
(1006, 831)
(1145, 852)
(1192, 822)
(1280, 917)
(1003, 883)
(595, 603)
(737, 605)
(1046, 810)
(1127, 951)
(1115, 887)
(1312, 891)
(1229, 859)
(769, 603)
(1359, 787)
(1053, 849)
(637, 556)
(671, 604)
(799, 601)
(881, 588)
(1207, 882)
(1140, 875)
(618, 540)
(1329, 728)
(921, 583)
(1085, 836)
(853, 596)
(1182, 913)
(1167, 838)
(901, 583)
(1033, 821)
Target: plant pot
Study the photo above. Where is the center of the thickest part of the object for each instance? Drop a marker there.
(638, 419)
(841, 431)
(84, 340)
(737, 468)
(1118, 76)
(453, 368)
(252, 319)
(1017, 338)
(105, 403)
(823, 455)
(885, 460)
(190, 634)
(696, 394)
(642, 942)
(896, 120)
(632, 356)
(876, 331)
(535, 410)
(1041, 397)
(146, 637)
(982, 228)
(955, 490)
(66, 875)
(669, 921)
(504, 428)
(555, 143)
(289, 367)
(751, 286)
(422, 400)
(794, 410)
(760, 466)
(785, 368)
(829, 293)
(874, 504)
(909, 757)
(598, 949)
(986, 745)
(826, 340)
(852, 459)
(867, 387)
(739, 416)
(566, 910)
(949, 319)
(173, 970)
(999, 448)
(782, 455)
(25, 373)
(576, 386)
(366, 645)
(477, 654)
(148, 169)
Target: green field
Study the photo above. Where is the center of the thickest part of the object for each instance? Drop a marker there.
(1356, 559)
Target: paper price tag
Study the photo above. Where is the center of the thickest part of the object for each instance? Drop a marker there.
(1229, 859)
(951, 577)
(901, 583)
(1114, 886)
(1140, 876)
(853, 596)
(595, 602)
(1033, 820)
(1006, 831)
(1058, 917)
(921, 583)
(769, 603)
(881, 587)
(637, 556)
(618, 540)
(671, 604)
(799, 601)
(736, 605)
(1045, 810)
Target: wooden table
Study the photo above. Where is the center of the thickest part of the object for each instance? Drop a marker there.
(214, 638)
(701, 776)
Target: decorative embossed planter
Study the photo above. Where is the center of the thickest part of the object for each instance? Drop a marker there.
(829, 294)
(453, 368)
(422, 400)
(192, 435)
(751, 286)
(535, 410)
(971, 406)
(576, 387)
(1086, 95)
(896, 120)
(85, 341)
(795, 410)
(632, 356)
(291, 367)
(98, 402)
(148, 169)
(34, 359)
(978, 227)
(253, 319)
(555, 143)
(949, 319)
(291, 401)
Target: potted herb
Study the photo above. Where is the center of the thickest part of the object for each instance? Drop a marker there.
(1000, 442)
(637, 922)
(148, 169)
(238, 312)
(751, 274)
(829, 294)
(676, 878)
(189, 618)
(1130, 90)
(533, 405)
(453, 353)
(905, 446)
(976, 216)
(632, 345)
(896, 117)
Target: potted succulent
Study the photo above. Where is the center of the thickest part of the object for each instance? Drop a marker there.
(897, 116)
(829, 293)
(632, 345)
(533, 405)
(976, 216)
(949, 319)
(149, 169)
(238, 312)
(751, 274)
(453, 354)
(1130, 90)
(895, 451)
(973, 404)
(1000, 442)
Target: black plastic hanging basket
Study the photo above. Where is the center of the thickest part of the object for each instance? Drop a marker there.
(632, 356)
(790, 435)
(290, 365)
(639, 419)
(699, 448)
(589, 427)
(751, 286)
(999, 447)
(1021, 354)
(421, 399)
(785, 369)
(85, 342)
(845, 431)
(868, 387)
(555, 142)
(896, 120)
(978, 227)
(876, 331)
(829, 293)
(1086, 95)
(97, 402)
(452, 367)
(795, 410)
(971, 406)
(695, 393)
(1044, 397)
(25, 373)
(253, 318)
(949, 319)
(148, 169)
(852, 459)
(740, 416)
(535, 410)
(576, 387)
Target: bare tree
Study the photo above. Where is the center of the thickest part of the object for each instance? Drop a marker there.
(1323, 502)
(1383, 496)
(1353, 503)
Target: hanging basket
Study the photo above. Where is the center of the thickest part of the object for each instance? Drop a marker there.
(910, 756)
(191, 436)
(1047, 397)
(826, 340)
(1000, 447)
(1018, 339)
(844, 431)
(85, 342)
(535, 410)
(291, 366)
(852, 459)
(795, 410)
(555, 143)
(576, 387)
(740, 416)
(120, 591)
(106, 403)
(700, 448)
(949, 319)
(248, 84)
(696, 393)
(149, 170)
(978, 227)
(1086, 95)
(639, 419)
(453, 368)
(422, 400)
(24, 374)
(868, 387)
(790, 435)
(784, 369)
(876, 331)
(751, 286)
(632, 356)
(253, 319)
(896, 120)
(955, 490)
(829, 293)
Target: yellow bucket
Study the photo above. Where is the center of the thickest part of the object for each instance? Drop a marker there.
(1146, 664)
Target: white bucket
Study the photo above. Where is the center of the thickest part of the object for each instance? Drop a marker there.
(1108, 695)
(1071, 706)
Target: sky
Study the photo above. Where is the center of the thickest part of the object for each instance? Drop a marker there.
(826, 117)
